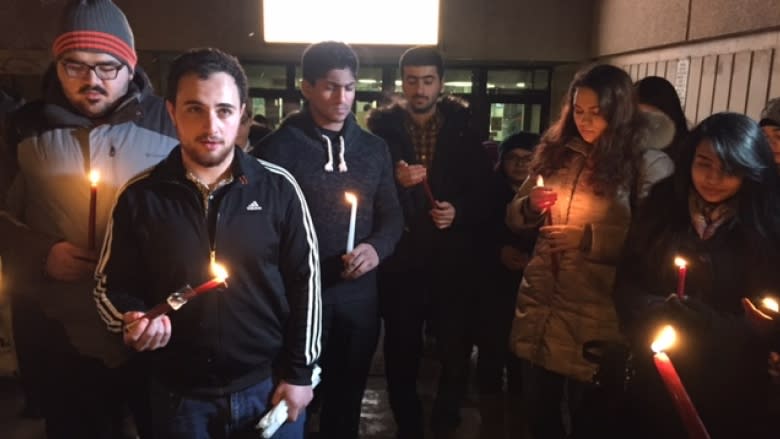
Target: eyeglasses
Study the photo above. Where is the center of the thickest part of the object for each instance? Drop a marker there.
(75, 69)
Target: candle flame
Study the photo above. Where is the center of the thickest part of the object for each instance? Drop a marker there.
(351, 198)
(680, 262)
(770, 304)
(540, 181)
(664, 340)
(219, 272)
(94, 177)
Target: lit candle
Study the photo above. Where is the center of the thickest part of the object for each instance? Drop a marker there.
(220, 275)
(548, 221)
(682, 270)
(540, 183)
(682, 402)
(352, 199)
(428, 192)
(94, 178)
(770, 304)
(177, 299)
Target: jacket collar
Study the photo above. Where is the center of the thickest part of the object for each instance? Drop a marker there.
(172, 167)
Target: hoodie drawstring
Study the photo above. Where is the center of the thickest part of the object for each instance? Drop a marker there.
(329, 165)
(342, 162)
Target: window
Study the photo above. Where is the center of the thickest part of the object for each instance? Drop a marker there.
(369, 79)
(517, 81)
(510, 118)
(273, 77)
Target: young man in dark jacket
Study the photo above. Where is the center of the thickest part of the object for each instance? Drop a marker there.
(209, 201)
(431, 141)
(98, 113)
(330, 155)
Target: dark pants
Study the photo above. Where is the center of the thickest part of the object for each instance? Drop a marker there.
(78, 396)
(496, 312)
(551, 400)
(349, 335)
(404, 301)
(231, 416)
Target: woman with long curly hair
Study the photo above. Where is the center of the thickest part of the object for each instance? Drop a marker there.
(597, 161)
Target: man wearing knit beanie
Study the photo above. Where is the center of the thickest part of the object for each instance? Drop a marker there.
(770, 124)
(97, 113)
(95, 55)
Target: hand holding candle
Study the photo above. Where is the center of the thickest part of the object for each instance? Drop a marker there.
(762, 318)
(682, 270)
(682, 402)
(542, 198)
(94, 178)
(352, 200)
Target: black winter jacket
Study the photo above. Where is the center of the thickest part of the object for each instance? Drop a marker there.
(460, 174)
(160, 238)
(299, 146)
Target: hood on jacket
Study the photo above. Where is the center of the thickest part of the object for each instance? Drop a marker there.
(303, 122)
(656, 131)
(454, 109)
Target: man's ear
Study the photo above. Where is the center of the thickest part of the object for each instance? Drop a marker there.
(306, 88)
(171, 111)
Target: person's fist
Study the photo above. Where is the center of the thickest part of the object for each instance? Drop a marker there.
(541, 198)
(144, 335)
(68, 263)
(409, 175)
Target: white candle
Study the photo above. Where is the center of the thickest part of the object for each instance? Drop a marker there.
(352, 199)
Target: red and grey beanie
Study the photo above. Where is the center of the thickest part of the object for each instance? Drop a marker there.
(96, 25)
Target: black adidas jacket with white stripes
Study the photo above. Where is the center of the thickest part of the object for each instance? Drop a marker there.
(160, 238)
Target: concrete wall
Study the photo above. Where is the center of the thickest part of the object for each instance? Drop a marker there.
(622, 26)
(729, 52)
(736, 74)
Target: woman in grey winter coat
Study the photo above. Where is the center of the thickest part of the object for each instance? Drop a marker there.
(596, 162)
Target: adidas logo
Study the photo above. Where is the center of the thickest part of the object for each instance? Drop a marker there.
(253, 206)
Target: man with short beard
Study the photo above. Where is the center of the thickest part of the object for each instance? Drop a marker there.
(97, 114)
(225, 357)
(431, 143)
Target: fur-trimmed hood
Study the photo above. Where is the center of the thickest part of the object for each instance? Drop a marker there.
(656, 131)
(452, 108)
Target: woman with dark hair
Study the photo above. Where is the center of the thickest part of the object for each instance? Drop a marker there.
(597, 161)
(721, 213)
(657, 94)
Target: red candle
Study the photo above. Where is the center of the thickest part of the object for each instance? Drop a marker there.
(94, 178)
(428, 192)
(179, 298)
(682, 270)
(548, 222)
(220, 274)
(682, 402)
